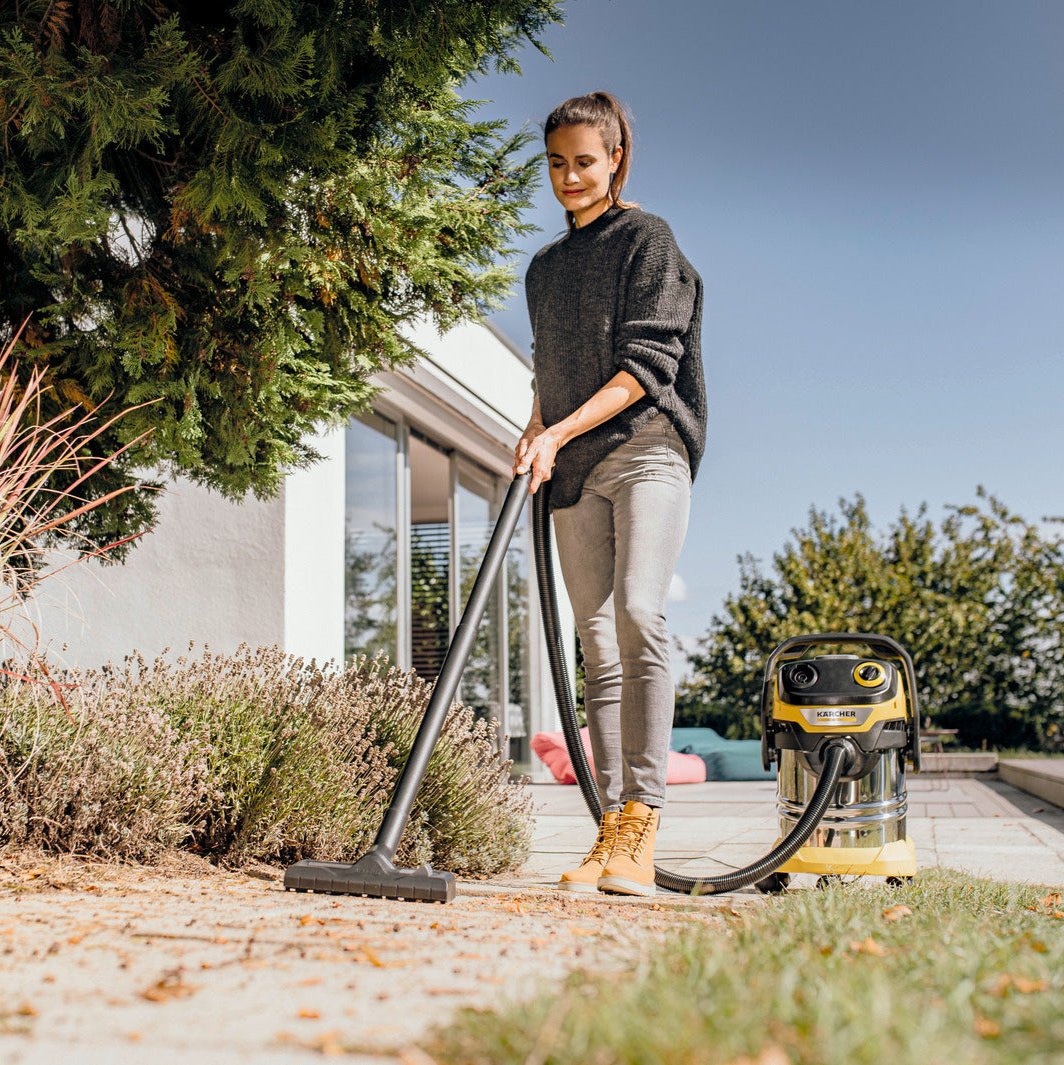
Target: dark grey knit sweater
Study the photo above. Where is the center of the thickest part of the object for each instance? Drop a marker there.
(616, 294)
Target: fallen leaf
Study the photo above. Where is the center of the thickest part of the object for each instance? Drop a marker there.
(26, 1010)
(309, 918)
(896, 913)
(1028, 987)
(308, 1014)
(169, 987)
(987, 1028)
(372, 958)
(327, 1044)
(310, 981)
(868, 946)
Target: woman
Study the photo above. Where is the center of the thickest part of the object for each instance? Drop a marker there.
(618, 428)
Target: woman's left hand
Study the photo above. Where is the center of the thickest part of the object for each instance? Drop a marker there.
(539, 457)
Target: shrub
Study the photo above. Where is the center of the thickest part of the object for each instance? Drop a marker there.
(257, 755)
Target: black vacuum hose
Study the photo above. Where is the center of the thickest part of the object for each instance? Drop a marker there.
(834, 762)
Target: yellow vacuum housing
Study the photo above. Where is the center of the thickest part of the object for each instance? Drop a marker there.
(814, 693)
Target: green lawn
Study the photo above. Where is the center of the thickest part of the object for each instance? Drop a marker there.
(949, 969)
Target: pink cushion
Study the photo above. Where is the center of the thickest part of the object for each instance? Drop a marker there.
(551, 750)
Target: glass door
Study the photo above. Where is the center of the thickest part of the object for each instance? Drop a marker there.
(419, 518)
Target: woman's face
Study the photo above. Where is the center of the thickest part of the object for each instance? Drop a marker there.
(580, 169)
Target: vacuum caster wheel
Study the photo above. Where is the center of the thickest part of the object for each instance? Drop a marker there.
(774, 884)
(899, 881)
(829, 880)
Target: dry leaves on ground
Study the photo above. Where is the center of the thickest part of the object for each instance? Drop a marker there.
(896, 913)
(868, 946)
(987, 1028)
(171, 986)
(1006, 982)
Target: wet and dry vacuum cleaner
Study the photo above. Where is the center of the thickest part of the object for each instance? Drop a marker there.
(840, 726)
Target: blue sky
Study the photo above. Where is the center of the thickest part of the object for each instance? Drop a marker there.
(873, 194)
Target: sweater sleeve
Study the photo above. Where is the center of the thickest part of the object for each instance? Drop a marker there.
(656, 311)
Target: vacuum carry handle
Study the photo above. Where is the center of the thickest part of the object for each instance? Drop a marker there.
(875, 642)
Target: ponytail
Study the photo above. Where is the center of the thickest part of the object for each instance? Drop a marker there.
(604, 112)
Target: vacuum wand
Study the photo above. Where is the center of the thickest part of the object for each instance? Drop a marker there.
(375, 873)
(458, 652)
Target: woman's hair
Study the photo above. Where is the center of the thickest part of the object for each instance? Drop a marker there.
(604, 112)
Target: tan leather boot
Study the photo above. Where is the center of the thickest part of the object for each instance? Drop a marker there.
(586, 876)
(630, 869)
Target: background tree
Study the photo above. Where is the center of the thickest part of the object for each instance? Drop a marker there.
(231, 208)
(977, 600)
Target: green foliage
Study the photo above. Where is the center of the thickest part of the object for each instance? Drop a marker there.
(232, 209)
(948, 969)
(978, 601)
(257, 755)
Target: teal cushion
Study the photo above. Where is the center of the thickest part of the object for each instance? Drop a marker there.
(698, 741)
(742, 761)
(725, 759)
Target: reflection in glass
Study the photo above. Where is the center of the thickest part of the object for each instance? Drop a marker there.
(370, 557)
(430, 555)
(476, 519)
(518, 721)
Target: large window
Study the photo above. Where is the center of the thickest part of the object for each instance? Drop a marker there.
(430, 555)
(370, 585)
(419, 517)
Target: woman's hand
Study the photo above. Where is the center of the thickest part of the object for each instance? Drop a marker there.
(536, 451)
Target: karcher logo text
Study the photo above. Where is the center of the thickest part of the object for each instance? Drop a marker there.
(836, 717)
(826, 716)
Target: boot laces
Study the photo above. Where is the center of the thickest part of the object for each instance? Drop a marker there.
(631, 832)
(604, 843)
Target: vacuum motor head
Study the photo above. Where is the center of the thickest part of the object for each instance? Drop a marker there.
(868, 702)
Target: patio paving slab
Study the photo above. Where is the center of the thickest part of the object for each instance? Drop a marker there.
(983, 827)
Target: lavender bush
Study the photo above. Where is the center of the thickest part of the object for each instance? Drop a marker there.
(257, 755)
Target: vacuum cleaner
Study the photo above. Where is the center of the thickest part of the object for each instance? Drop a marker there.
(840, 726)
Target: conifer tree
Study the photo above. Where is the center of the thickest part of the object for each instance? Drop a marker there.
(231, 208)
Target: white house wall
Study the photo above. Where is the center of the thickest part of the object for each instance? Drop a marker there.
(209, 572)
(313, 559)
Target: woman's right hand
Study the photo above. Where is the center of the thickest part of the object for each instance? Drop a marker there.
(532, 430)
(536, 451)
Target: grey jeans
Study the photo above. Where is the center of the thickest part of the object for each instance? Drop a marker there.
(618, 547)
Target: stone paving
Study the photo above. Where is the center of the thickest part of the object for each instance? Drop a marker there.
(983, 827)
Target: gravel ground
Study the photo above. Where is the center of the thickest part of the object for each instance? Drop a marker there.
(185, 962)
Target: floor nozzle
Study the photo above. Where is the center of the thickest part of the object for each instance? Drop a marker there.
(375, 875)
